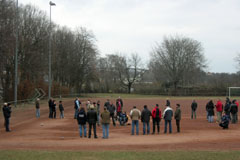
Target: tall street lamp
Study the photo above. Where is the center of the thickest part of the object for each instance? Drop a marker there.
(16, 57)
(50, 56)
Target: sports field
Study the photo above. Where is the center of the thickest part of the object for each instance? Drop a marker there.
(60, 137)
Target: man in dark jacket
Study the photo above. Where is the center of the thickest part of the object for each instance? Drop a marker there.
(77, 105)
(167, 115)
(92, 120)
(177, 116)
(156, 117)
(82, 120)
(7, 114)
(111, 109)
(145, 118)
(50, 105)
(194, 108)
(227, 106)
(233, 111)
(210, 111)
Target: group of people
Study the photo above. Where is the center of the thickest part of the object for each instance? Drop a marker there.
(93, 116)
(52, 108)
(156, 115)
(225, 112)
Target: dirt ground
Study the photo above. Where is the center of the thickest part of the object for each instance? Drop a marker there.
(30, 133)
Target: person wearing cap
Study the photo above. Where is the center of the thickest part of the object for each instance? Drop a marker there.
(7, 114)
(135, 116)
(105, 116)
(37, 105)
(92, 120)
(145, 118)
(177, 116)
(156, 117)
(167, 115)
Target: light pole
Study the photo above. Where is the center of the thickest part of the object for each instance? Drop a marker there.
(16, 57)
(50, 56)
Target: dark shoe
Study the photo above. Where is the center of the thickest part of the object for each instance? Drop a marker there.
(95, 137)
(153, 133)
(89, 136)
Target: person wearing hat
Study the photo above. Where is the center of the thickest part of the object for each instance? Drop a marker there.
(105, 116)
(92, 120)
(177, 116)
(37, 105)
(7, 114)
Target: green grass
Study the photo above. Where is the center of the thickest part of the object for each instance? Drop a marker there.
(116, 95)
(113, 155)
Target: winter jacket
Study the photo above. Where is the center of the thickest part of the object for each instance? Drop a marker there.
(92, 116)
(145, 116)
(7, 111)
(194, 106)
(135, 114)
(77, 104)
(111, 108)
(227, 108)
(61, 107)
(156, 113)
(105, 117)
(37, 104)
(233, 108)
(177, 114)
(168, 114)
(82, 117)
(219, 106)
(119, 105)
(210, 108)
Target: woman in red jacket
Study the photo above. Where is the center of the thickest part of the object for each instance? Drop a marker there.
(219, 108)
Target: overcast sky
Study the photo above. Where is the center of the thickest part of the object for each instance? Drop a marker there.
(135, 26)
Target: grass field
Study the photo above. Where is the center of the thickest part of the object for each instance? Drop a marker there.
(173, 155)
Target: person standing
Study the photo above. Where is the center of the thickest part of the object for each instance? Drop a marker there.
(233, 111)
(111, 109)
(210, 111)
(54, 109)
(7, 114)
(105, 123)
(92, 120)
(194, 109)
(61, 109)
(227, 106)
(119, 105)
(82, 120)
(98, 112)
(135, 115)
(145, 118)
(37, 105)
(167, 115)
(77, 104)
(50, 105)
(219, 108)
(177, 116)
(156, 117)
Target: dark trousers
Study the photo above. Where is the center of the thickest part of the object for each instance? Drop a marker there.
(90, 129)
(178, 125)
(50, 112)
(113, 120)
(54, 114)
(6, 123)
(156, 122)
(170, 126)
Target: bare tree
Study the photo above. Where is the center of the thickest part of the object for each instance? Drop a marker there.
(176, 59)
